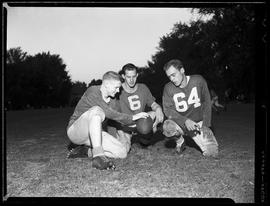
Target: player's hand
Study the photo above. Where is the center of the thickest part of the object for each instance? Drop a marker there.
(140, 115)
(191, 125)
(159, 116)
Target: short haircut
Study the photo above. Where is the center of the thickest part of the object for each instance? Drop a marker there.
(129, 67)
(111, 75)
(175, 63)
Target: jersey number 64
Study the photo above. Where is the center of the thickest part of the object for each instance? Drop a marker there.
(182, 105)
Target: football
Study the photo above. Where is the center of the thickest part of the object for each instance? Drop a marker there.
(144, 125)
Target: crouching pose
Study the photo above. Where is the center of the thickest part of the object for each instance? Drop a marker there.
(85, 124)
(133, 99)
(187, 106)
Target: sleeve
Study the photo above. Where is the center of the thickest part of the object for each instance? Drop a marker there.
(149, 97)
(169, 108)
(122, 118)
(206, 104)
(117, 106)
(110, 113)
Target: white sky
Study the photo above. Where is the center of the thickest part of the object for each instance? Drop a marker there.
(92, 40)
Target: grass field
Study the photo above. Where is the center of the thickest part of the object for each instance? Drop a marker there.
(37, 165)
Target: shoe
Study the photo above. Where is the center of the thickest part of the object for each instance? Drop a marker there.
(80, 151)
(180, 145)
(71, 146)
(102, 163)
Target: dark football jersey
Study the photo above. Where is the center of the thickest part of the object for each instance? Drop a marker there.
(192, 102)
(136, 102)
(93, 97)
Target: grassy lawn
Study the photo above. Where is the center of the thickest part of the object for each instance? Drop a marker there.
(37, 165)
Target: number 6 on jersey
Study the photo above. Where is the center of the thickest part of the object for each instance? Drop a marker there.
(134, 102)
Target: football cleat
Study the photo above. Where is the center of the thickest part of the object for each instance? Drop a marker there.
(71, 146)
(102, 163)
(81, 151)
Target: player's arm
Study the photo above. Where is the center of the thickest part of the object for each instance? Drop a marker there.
(110, 113)
(154, 106)
(123, 118)
(169, 108)
(159, 113)
(206, 105)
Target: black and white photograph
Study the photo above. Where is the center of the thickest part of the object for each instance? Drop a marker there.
(146, 102)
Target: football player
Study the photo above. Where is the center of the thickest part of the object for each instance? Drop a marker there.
(133, 99)
(187, 106)
(85, 124)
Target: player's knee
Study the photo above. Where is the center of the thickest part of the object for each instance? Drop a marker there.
(171, 128)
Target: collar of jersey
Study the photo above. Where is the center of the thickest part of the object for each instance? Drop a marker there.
(133, 91)
(188, 78)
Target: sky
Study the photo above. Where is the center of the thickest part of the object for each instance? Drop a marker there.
(93, 40)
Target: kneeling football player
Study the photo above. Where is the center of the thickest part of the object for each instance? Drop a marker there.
(133, 99)
(187, 106)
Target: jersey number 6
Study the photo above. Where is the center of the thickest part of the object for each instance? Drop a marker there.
(134, 102)
(182, 106)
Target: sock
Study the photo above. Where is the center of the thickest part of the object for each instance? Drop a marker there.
(89, 152)
(98, 151)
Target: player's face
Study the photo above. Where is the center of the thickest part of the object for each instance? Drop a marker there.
(130, 78)
(113, 87)
(176, 76)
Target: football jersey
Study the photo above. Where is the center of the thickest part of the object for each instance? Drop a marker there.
(93, 97)
(136, 102)
(191, 102)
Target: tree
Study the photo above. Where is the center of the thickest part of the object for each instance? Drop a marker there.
(50, 80)
(14, 73)
(234, 32)
(36, 81)
(77, 90)
(221, 47)
(15, 56)
(95, 82)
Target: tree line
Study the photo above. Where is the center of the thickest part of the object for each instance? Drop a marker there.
(221, 49)
(37, 81)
